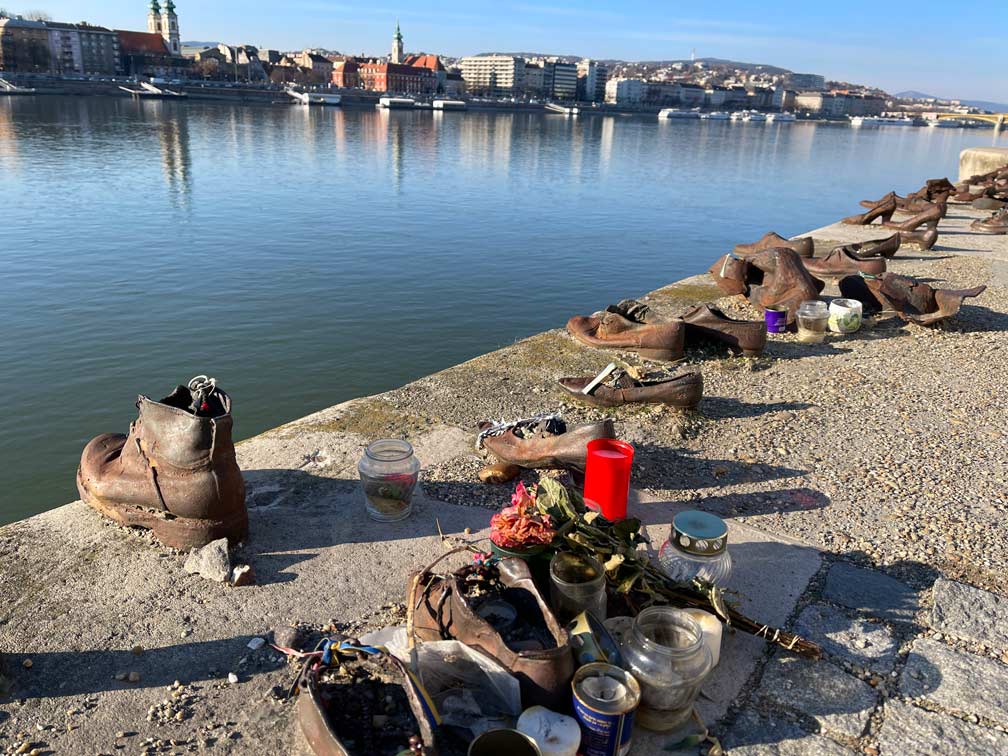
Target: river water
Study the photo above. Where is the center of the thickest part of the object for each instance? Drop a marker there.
(308, 256)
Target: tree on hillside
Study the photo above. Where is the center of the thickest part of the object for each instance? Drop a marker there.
(37, 15)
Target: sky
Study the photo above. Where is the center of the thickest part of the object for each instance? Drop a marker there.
(929, 46)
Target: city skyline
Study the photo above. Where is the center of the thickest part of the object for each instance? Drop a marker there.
(872, 56)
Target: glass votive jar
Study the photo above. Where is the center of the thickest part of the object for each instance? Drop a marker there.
(813, 318)
(844, 315)
(667, 654)
(697, 549)
(577, 584)
(389, 472)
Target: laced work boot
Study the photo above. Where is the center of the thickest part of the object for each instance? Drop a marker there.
(174, 473)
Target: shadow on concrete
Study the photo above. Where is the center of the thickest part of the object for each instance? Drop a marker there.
(94, 671)
(973, 318)
(723, 406)
(657, 512)
(664, 468)
(295, 514)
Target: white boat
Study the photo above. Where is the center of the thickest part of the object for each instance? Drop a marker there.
(314, 98)
(396, 102)
(754, 117)
(737, 115)
(676, 113)
(717, 115)
(449, 105)
(895, 121)
(781, 118)
(864, 122)
(946, 123)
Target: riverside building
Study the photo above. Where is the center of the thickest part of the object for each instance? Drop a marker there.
(495, 75)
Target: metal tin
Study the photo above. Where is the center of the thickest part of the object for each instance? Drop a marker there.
(504, 743)
(606, 724)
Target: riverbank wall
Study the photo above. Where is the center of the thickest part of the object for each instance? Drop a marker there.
(821, 458)
(976, 161)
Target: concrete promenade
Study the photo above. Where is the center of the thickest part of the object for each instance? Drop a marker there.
(830, 469)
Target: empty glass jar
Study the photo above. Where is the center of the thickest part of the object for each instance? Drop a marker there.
(696, 549)
(389, 472)
(666, 652)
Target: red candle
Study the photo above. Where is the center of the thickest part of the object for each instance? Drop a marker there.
(607, 477)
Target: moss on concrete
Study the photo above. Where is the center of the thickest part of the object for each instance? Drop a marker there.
(687, 293)
(369, 418)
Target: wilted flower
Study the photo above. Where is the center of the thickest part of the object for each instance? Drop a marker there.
(520, 525)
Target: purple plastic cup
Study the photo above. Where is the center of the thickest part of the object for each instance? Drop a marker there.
(776, 320)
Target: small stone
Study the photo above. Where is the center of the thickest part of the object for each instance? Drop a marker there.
(134, 677)
(467, 531)
(27, 663)
(289, 637)
(211, 562)
(185, 633)
(242, 575)
(180, 716)
(232, 678)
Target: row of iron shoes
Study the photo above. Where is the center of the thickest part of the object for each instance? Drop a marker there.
(782, 273)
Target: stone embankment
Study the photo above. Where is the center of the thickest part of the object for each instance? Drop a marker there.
(862, 480)
(976, 161)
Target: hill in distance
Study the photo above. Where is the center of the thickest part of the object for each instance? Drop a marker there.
(994, 107)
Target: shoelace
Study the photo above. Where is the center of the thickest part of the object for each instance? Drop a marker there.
(503, 426)
(202, 388)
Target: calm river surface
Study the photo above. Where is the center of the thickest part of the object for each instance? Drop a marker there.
(308, 256)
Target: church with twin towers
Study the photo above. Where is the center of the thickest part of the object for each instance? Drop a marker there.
(165, 23)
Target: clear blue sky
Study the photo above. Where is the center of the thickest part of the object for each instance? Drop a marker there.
(925, 45)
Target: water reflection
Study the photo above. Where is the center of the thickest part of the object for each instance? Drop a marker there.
(286, 205)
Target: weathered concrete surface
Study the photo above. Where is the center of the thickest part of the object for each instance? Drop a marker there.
(910, 731)
(837, 701)
(967, 612)
(755, 734)
(978, 160)
(957, 680)
(867, 645)
(872, 593)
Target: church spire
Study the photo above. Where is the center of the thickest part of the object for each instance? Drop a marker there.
(397, 45)
(154, 18)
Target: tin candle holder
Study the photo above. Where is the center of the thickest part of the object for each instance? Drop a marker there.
(776, 320)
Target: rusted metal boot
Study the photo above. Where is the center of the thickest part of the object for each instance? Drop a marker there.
(684, 390)
(778, 279)
(660, 340)
(887, 247)
(996, 224)
(706, 323)
(438, 609)
(542, 450)
(840, 263)
(175, 473)
(805, 246)
(912, 300)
